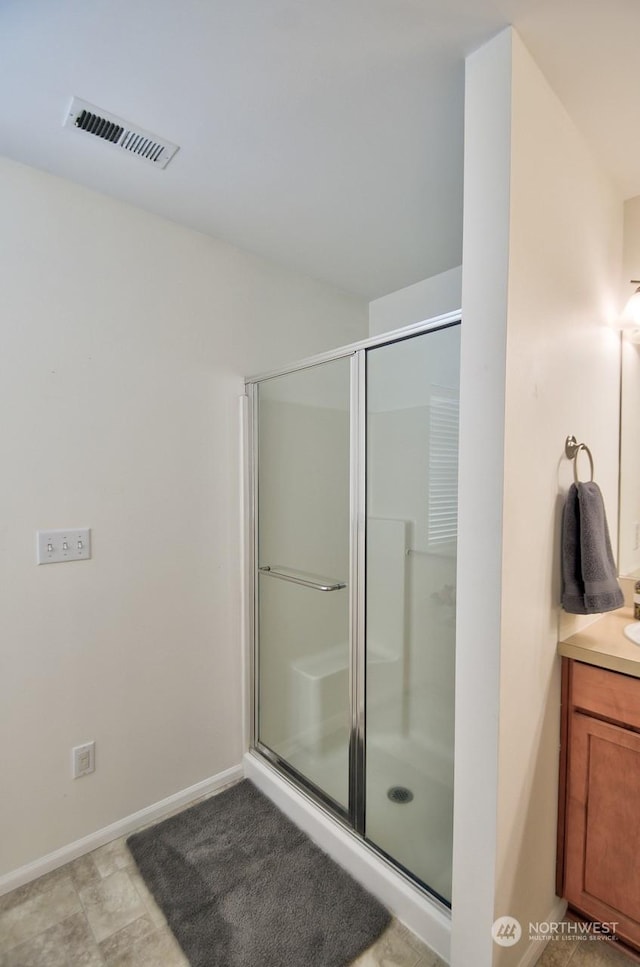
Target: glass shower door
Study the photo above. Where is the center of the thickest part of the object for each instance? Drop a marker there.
(303, 487)
(412, 462)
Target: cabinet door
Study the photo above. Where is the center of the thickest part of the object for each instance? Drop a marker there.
(603, 824)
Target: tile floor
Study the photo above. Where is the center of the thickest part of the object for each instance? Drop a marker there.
(584, 953)
(97, 912)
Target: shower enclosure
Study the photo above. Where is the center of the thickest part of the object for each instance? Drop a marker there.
(354, 505)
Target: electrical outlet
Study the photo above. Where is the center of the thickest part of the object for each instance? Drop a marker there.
(83, 759)
(636, 536)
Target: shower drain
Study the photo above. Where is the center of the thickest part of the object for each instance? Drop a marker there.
(399, 794)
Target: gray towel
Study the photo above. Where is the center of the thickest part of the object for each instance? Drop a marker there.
(590, 583)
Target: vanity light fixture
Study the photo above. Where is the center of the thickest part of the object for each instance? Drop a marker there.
(629, 321)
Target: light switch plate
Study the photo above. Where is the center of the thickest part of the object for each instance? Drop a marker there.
(54, 547)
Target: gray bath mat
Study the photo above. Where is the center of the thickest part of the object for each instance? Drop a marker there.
(241, 886)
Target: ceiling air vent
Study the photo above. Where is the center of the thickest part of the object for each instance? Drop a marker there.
(98, 123)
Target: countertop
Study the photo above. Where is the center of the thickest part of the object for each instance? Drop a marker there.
(604, 644)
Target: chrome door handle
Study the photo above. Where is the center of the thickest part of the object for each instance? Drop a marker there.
(321, 585)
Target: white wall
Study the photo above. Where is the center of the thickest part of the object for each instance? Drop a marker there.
(539, 361)
(415, 303)
(629, 560)
(563, 362)
(124, 340)
(482, 390)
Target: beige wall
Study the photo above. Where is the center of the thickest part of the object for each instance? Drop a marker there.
(562, 377)
(124, 340)
(542, 260)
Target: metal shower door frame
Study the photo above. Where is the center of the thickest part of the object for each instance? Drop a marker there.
(354, 817)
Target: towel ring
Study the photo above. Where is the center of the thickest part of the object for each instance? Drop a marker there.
(572, 449)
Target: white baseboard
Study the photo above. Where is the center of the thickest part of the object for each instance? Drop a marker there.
(10, 881)
(535, 950)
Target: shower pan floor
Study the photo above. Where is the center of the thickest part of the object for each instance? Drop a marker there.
(416, 834)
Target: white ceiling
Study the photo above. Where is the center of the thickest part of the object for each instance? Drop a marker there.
(324, 134)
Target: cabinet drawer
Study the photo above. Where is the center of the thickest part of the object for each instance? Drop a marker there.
(606, 693)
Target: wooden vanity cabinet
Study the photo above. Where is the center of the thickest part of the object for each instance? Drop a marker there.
(599, 808)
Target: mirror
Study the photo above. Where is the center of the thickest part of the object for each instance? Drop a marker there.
(629, 516)
(629, 528)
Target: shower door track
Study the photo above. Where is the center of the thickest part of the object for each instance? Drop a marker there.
(372, 342)
(353, 818)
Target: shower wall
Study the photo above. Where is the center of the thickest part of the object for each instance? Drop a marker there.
(400, 481)
(399, 454)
